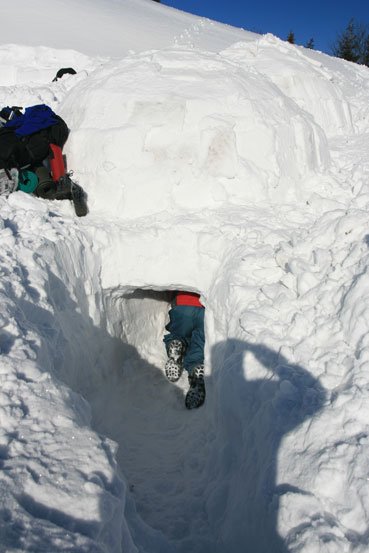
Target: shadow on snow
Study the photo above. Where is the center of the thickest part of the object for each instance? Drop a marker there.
(252, 417)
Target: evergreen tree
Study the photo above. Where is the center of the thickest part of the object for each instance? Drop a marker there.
(347, 45)
(363, 41)
(366, 52)
(291, 37)
(310, 44)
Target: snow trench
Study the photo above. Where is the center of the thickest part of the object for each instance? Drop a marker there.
(109, 348)
(182, 469)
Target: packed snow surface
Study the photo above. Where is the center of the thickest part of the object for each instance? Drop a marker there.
(218, 161)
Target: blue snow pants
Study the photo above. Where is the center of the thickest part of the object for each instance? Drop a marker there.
(186, 323)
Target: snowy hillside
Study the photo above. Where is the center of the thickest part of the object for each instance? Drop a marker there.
(218, 161)
(112, 27)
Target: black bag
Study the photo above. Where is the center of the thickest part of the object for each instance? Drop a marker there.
(31, 150)
(12, 152)
(38, 144)
(58, 133)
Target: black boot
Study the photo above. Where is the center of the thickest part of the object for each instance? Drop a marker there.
(79, 200)
(77, 194)
(174, 367)
(196, 394)
(64, 189)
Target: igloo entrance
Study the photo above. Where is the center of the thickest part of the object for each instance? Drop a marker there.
(136, 406)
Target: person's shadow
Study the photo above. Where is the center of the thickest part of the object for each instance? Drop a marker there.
(253, 415)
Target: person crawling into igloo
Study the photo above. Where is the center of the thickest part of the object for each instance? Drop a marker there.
(31, 159)
(185, 345)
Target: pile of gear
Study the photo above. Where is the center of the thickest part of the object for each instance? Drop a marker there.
(31, 158)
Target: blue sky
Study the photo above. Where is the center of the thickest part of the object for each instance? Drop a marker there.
(321, 20)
